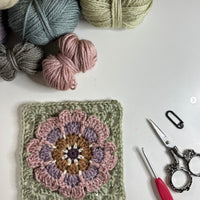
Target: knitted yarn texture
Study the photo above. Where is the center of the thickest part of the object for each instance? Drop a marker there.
(75, 56)
(64, 152)
(2, 30)
(115, 13)
(5, 4)
(40, 21)
(23, 57)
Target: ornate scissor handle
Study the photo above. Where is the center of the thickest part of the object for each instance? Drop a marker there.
(173, 168)
(188, 155)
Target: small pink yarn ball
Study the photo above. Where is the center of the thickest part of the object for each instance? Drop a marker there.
(75, 56)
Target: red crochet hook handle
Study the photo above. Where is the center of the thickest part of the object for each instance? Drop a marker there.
(161, 187)
(163, 190)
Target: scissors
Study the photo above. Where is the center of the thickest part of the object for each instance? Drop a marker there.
(186, 156)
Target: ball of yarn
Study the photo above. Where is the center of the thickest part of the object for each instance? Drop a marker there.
(23, 57)
(75, 56)
(40, 21)
(2, 30)
(5, 4)
(115, 13)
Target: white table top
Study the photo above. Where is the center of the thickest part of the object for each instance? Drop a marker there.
(150, 70)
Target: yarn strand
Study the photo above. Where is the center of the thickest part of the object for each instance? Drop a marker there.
(116, 14)
(44, 21)
(26, 18)
(12, 59)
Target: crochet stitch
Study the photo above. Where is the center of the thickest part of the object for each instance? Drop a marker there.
(72, 150)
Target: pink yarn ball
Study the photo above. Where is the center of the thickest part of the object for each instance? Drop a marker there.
(75, 56)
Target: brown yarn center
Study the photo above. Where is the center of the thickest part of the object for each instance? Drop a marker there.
(72, 154)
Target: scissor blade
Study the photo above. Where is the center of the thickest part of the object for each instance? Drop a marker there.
(160, 133)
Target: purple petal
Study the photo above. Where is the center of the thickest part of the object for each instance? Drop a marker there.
(53, 171)
(91, 173)
(54, 135)
(91, 135)
(45, 153)
(98, 154)
(72, 180)
(72, 127)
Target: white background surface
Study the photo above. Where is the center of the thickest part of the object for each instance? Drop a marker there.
(150, 69)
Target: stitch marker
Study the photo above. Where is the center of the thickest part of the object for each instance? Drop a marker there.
(178, 123)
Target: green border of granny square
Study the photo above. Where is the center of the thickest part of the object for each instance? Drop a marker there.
(108, 111)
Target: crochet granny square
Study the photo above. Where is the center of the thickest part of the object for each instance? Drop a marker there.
(72, 150)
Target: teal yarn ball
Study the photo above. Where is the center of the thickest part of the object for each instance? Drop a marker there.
(41, 21)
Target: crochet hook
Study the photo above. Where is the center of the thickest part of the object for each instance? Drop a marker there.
(161, 187)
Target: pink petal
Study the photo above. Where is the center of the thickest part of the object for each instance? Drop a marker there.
(33, 161)
(42, 176)
(79, 116)
(78, 192)
(95, 184)
(66, 191)
(45, 127)
(65, 117)
(110, 159)
(32, 146)
(101, 129)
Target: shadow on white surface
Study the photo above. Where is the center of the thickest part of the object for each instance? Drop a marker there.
(38, 79)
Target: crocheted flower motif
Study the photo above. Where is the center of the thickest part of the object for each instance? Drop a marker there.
(70, 155)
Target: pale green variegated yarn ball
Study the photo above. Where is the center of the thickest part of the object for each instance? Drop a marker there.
(41, 21)
(115, 13)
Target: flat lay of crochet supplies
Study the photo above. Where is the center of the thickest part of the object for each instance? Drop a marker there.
(100, 100)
